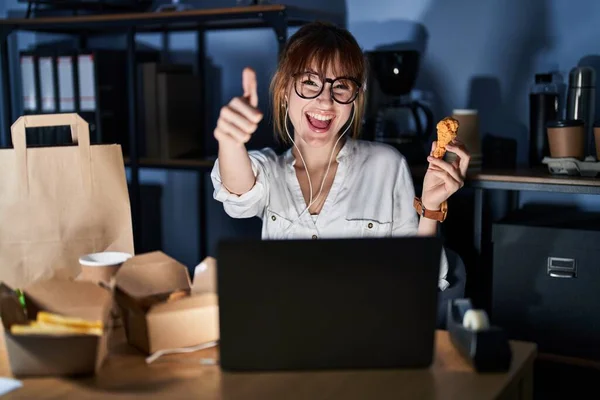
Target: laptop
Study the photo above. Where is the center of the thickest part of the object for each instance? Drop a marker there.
(366, 303)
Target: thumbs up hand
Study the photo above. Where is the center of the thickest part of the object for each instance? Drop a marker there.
(239, 119)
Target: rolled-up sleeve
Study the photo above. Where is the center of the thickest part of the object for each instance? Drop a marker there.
(406, 220)
(250, 204)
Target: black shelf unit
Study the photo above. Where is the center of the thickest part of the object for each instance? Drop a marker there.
(276, 17)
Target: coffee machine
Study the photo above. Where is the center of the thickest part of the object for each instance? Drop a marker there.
(392, 115)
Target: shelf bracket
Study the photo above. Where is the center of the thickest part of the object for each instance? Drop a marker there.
(279, 22)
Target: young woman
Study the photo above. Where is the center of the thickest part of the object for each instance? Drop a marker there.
(328, 184)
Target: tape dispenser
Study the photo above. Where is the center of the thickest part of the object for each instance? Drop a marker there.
(486, 347)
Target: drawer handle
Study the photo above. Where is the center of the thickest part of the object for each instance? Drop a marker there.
(562, 274)
(562, 267)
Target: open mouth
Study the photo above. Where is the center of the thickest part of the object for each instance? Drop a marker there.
(319, 122)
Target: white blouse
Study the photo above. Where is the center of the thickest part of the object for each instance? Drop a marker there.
(371, 196)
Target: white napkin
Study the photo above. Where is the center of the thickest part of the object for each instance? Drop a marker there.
(8, 385)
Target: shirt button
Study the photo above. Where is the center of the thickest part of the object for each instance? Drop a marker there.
(370, 225)
(314, 236)
(273, 217)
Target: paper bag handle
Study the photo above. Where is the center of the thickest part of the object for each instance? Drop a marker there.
(80, 133)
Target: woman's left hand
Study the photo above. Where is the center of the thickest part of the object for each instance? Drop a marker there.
(442, 178)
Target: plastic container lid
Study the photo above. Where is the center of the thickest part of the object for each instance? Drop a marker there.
(564, 123)
(543, 78)
(544, 83)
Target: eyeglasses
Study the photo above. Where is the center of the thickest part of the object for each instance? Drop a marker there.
(309, 85)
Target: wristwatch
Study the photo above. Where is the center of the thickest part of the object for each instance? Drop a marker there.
(439, 215)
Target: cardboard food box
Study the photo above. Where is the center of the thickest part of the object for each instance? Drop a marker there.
(161, 308)
(64, 354)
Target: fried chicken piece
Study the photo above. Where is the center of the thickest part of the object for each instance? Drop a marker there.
(178, 295)
(446, 130)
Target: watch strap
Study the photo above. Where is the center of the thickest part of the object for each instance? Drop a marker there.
(438, 215)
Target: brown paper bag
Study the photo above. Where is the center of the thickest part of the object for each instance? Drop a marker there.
(59, 203)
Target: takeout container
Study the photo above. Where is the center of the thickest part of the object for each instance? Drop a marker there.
(68, 354)
(149, 289)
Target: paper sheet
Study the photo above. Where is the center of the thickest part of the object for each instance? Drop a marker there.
(8, 385)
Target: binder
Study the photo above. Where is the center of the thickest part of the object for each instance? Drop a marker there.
(31, 97)
(28, 86)
(48, 89)
(47, 86)
(87, 82)
(87, 93)
(92, 83)
(66, 84)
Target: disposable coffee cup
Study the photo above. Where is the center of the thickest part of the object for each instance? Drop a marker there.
(468, 134)
(566, 139)
(101, 267)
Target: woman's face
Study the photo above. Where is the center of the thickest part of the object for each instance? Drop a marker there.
(317, 121)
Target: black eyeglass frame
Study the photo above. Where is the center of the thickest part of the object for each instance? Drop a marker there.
(331, 81)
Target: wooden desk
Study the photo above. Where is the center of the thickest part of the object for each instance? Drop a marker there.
(125, 375)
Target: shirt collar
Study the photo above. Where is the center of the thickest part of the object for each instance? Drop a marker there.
(346, 151)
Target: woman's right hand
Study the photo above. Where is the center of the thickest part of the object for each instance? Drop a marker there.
(239, 119)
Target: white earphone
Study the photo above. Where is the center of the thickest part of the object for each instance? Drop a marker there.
(311, 201)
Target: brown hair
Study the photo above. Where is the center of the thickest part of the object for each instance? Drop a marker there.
(323, 44)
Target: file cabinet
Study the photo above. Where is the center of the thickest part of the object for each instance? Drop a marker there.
(546, 280)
